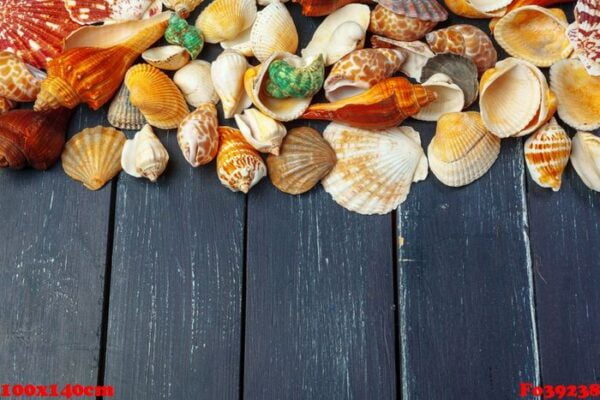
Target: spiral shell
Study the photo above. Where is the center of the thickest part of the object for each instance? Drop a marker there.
(180, 33)
(197, 135)
(182, 7)
(260, 131)
(144, 155)
(416, 54)
(286, 80)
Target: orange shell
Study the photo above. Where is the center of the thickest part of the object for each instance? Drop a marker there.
(399, 27)
(318, 8)
(18, 81)
(6, 105)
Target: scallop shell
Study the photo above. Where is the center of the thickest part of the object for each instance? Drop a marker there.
(577, 91)
(182, 7)
(18, 81)
(585, 158)
(535, 34)
(93, 156)
(157, 97)
(465, 8)
(170, 58)
(239, 166)
(462, 150)
(584, 35)
(197, 135)
(450, 98)
(92, 11)
(226, 19)
(416, 54)
(465, 40)
(425, 10)
(399, 27)
(227, 73)
(461, 70)
(240, 43)
(124, 115)
(260, 131)
(339, 34)
(144, 155)
(304, 159)
(547, 153)
(273, 31)
(195, 82)
(6, 105)
(374, 169)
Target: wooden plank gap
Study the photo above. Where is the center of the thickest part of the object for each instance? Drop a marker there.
(243, 284)
(397, 334)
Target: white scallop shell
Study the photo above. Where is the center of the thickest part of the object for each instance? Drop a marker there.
(273, 31)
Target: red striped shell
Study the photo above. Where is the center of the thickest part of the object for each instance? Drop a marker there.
(584, 34)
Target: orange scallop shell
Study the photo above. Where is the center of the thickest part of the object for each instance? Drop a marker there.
(399, 27)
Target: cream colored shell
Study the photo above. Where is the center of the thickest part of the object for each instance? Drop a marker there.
(450, 98)
(417, 54)
(195, 82)
(169, 58)
(585, 158)
(261, 131)
(144, 155)
(227, 73)
(226, 19)
(273, 31)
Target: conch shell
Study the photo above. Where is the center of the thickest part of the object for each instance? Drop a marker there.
(227, 73)
(124, 115)
(144, 155)
(18, 81)
(471, 9)
(180, 33)
(182, 7)
(260, 131)
(239, 166)
(286, 80)
(197, 135)
(416, 54)
(273, 31)
(583, 35)
(385, 105)
(585, 158)
(319, 8)
(450, 98)
(170, 58)
(399, 27)
(195, 82)
(226, 19)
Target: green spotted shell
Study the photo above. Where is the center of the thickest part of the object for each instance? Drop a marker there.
(179, 32)
(288, 81)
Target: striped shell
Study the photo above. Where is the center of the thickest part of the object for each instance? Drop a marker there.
(585, 158)
(399, 27)
(273, 31)
(18, 81)
(197, 135)
(584, 34)
(124, 115)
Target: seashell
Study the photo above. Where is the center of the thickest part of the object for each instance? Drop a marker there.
(227, 73)
(18, 81)
(286, 80)
(577, 91)
(154, 9)
(195, 83)
(360, 70)
(462, 150)
(92, 11)
(535, 34)
(93, 156)
(585, 158)
(239, 166)
(466, 9)
(34, 29)
(450, 98)
(6, 105)
(157, 97)
(240, 43)
(385, 105)
(144, 155)
(461, 70)
(179, 32)
(465, 40)
(374, 169)
(399, 27)
(583, 35)
(260, 131)
(489, 6)
(319, 8)
(425, 10)
(197, 135)
(182, 7)
(255, 82)
(124, 115)
(304, 159)
(267, 2)
(416, 54)
(226, 19)
(273, 31)
(32, 138)
(340, 33)
(547, 153)
(543, 3)
(107, 51)
(170, 58)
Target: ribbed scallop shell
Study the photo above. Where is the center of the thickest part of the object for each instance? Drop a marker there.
(261, 131)
(18, 81)
(547, 153)
(144, 155)
(426, 10)
(124, 115)
(304, 159)
(170, 58)
(197, 135)
(584, 34)
(93, 11)
(239, 166)
(226, 19)
(374, 169)
(227, 73)
(195, 82)
(461, 70)
(399, 27)
(585, 158)
(450, 98)
(462, 150)
(93, 156)
(182, 7)
(416, 54)
(156, 96)
(273, 31)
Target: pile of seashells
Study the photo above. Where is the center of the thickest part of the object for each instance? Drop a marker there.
(365, 160)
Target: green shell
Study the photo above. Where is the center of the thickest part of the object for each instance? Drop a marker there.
(179, 32)
(287, 81)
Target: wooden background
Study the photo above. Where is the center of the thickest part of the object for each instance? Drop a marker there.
(185, 290)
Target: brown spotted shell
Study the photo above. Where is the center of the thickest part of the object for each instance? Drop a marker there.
(399, 27)
(197, 135)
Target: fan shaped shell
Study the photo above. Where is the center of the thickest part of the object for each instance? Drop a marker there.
(465, 8)
(93, 11)
(461, 70)
(273, 31)
(124, 115)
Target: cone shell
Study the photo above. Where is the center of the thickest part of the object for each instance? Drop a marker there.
(318, 8)
(170, 58)
(547, 153)
(6, 105)
(93, 156)
(182, 7)
(416, 54)
(18, 81)
(462, 150)
(239, 166)
(260, 131)
(227, 73)
(156, 96)
(305, 158)
(144, 155)
(450, 98)
(461, 70)
(273, 31)
(586, 159)
(92, 11)
(399, 27)
(226, 19)
(583, 35)
(426, 10)
(195, 82)
(374, 169)
(465, 8)
(465, 40)
(124, 115)
(197, 135)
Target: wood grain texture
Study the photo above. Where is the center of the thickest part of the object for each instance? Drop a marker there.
(53, 258)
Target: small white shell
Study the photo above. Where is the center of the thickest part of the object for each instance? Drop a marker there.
(487, 6)
(260, 131)
(450, 98)
(273, 30)
(169, 58)
(195, 82)
(227, 73)
(585, 158)
(144, 155)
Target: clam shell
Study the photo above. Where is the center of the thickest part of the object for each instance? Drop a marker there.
(318, 8)
(124, 115)
(465, 8)
(585, 158)
(399, 27)
(450, 98)
(92, 11)
(227, 73)
(416, 54)
(425, 10)
(226, 19)
(374, 169)
(583, 35)
(577, 91)
(18, 81)
(339, 34)
(195, 82)
(487, 6)
(170, 58)
(462, 150)
(547, 153)
(535, 34)
(157, 97)
(260, 131)
(240, 43)
(273, 31)
(304, 159)
(93, 156)
(461, 70)
(239, 166)
(144, 155)
(182, 7)
(197, 135)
